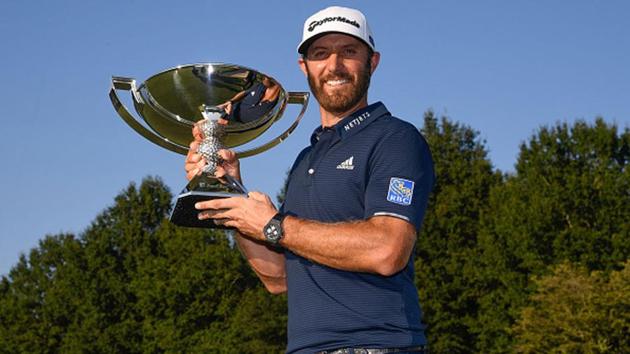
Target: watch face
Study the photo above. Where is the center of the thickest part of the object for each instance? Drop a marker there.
(273, 231)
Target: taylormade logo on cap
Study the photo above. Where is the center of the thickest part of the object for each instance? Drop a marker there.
(314, 24)
(339, 20)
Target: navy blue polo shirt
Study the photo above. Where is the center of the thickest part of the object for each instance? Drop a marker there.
(368, 164)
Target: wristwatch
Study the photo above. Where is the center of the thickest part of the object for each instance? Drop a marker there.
(273, 230)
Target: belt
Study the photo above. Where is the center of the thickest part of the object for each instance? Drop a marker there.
(419, 349)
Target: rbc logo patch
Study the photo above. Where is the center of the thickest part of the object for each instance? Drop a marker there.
(400, 191)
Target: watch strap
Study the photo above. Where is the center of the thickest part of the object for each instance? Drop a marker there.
(279, 217)
(273, 231)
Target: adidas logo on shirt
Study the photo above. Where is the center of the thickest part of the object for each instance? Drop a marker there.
(346, 165)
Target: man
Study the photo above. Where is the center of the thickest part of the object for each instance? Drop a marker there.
(342, 243)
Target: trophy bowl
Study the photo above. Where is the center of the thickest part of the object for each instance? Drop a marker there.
(231, 104)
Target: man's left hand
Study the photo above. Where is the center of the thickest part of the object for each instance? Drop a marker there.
(248, 215)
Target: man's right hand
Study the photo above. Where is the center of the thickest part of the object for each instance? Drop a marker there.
(195, 162)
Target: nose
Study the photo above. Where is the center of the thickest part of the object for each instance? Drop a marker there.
(334, 62)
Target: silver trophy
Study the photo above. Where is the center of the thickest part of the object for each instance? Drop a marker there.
(232, 105)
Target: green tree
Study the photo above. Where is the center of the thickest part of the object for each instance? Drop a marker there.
(568, 200)
(133, 282)
(41, 296)
(446, 247)
(576, 312)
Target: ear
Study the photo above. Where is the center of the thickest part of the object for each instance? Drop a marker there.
(374, 60)
(302, 64)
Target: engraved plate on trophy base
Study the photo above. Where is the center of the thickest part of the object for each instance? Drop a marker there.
(202, 188)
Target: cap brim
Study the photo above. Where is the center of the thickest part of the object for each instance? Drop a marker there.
(303, 47)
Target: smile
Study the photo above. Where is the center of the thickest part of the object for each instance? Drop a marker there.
(337, 82)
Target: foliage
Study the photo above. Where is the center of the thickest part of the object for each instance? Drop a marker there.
(576, 312)
(569, 200)
(132, 282)
(40, 299)
(446, 245)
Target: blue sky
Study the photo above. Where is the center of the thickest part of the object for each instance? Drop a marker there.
(504, 68)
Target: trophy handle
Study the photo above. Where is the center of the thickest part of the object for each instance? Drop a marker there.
(129, 84)
(293, 98)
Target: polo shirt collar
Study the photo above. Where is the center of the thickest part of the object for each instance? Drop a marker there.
(353, 123)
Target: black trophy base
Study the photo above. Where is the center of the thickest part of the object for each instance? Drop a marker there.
(198, 190)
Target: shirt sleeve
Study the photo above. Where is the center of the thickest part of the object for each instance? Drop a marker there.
(401, 177)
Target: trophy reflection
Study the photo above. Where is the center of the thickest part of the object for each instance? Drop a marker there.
(232, 105)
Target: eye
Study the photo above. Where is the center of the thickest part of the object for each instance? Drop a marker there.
(349, 52)
(318, 54)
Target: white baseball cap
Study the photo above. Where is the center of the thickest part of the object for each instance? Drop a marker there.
(338, 20)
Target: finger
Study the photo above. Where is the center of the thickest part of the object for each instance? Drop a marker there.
(206, 214)
(219, 172)
(209, 204)
(213, 214)
(220, 203)
(197, 132)
(226, 223)
(193, 153)
(192, 174)
(194, 169)
(193, 159)
(228, 156)
(229, 223)
(220, 222)
(190, 166)
(194, 145)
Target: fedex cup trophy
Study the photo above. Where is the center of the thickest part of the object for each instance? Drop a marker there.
(232, 105)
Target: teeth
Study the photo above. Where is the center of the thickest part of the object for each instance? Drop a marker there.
(336, 82)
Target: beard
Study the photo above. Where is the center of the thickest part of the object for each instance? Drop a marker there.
(341, 100)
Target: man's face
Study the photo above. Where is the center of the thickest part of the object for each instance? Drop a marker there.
(339, 68)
